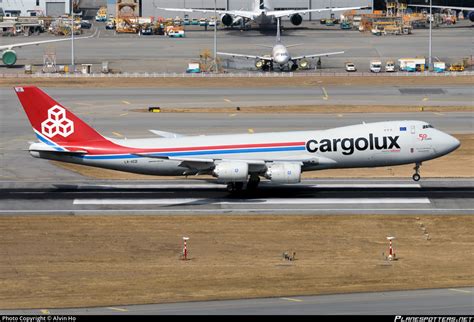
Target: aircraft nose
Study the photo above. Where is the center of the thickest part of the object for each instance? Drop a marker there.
(450, 143)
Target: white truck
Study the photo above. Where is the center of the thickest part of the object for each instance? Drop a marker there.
(389, 66)
(375, 66)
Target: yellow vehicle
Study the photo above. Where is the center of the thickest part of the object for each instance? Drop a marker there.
(456, 68)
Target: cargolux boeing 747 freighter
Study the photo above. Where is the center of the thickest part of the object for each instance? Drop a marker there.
(237, 160)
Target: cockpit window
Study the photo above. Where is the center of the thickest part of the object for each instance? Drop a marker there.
(428, 126)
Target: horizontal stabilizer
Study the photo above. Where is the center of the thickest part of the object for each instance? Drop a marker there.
(40, 147)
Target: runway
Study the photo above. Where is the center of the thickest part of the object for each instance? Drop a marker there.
(311, 197)
(454, 301)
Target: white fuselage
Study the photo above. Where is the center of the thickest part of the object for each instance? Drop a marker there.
(259, 9)
(280, 55)
(362, 145)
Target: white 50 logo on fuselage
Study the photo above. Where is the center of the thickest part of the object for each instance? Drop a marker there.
(349, 145)
(57, 123)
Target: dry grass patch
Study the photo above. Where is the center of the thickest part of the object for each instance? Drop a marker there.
(251, 82)
(115, 260)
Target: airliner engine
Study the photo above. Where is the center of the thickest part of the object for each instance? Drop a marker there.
(227, 20)
(231, 171)
(470, 15)
(284, 172)
(296, 19)
(9, 57)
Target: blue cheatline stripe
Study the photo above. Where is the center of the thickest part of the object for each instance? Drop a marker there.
(194, 153)
(46, 141)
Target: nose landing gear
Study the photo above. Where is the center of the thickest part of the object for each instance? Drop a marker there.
(416, 176)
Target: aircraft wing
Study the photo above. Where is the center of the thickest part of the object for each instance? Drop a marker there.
(236, 13)
(441, 7)
(317, 55)
(9, 47)
(287, 13)
(246, 56)
(208, 163)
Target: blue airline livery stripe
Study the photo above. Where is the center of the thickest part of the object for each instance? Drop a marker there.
(48, 142)
(195, 153)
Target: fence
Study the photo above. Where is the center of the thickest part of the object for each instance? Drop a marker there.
(239, 75)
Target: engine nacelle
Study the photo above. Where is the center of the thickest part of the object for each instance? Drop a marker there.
(470, 15)
(231, 171)
(284, 172)
(9, 57)
(227, 20)
(303, 64)
(296, 19)
(260, 64)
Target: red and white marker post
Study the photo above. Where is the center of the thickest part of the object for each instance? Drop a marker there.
(185, 249)
(391, 254)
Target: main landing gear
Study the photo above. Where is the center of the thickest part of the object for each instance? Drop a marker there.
(235, 186)
(252, 184)
(416, 176)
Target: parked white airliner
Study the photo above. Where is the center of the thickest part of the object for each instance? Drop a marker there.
(280, 56)
(233, 159)
(262, 12)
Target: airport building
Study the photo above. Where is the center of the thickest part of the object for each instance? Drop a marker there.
(148, 7)
(53, 8)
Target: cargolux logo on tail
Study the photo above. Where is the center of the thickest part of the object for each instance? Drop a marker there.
(57, 123)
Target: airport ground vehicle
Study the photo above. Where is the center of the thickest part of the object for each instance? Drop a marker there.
(234, 159)
(375, 66)
(439, 67)
(203, 22)
(86, 24)
(412, 64)
(350, 67)
(456, 68)
(193, 68)
(390, 66)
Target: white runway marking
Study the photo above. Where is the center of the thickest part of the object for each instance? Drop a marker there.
(369, 185)
(222, 186)
(276, 201)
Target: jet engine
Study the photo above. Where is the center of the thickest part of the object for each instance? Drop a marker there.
(260, 64)
(9, 57)
(284, 172)
(227, 20)
(296, 19)
(231, 171)
(470, 15)
(303, 64)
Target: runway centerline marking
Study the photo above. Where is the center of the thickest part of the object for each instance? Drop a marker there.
(460, 291)
(326, 96)
(291, 299)
(263, 201)
(117, 309)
